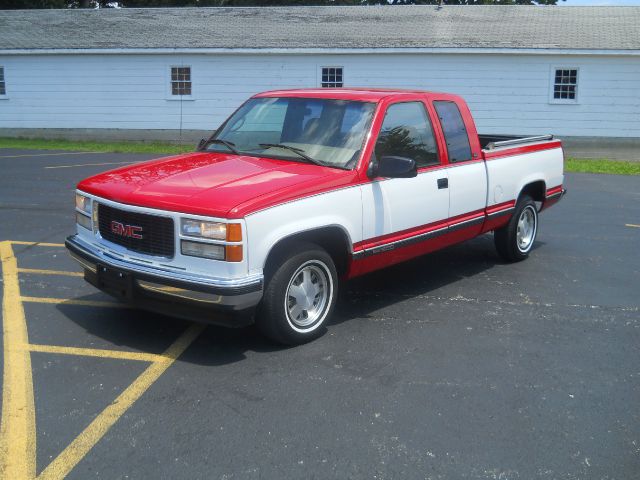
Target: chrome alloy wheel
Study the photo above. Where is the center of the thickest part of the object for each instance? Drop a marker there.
(308, 296)
(527, 226)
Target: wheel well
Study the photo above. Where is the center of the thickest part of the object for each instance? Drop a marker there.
(333, 239)
(536, 190)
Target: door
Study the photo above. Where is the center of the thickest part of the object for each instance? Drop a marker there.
(466, 171)
(400, 213)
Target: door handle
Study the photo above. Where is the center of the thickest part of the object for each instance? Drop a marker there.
(443, 183)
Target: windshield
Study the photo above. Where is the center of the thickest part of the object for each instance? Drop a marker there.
(327, 132)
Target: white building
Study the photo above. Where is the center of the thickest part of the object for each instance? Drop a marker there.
(165, 73)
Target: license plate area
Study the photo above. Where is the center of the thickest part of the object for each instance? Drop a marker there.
(115, 282)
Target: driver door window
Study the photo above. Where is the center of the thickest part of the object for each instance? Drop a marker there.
(406, 132)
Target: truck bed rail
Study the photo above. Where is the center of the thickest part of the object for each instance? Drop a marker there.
(518, 141)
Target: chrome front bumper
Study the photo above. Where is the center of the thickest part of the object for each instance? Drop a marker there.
(177, 293)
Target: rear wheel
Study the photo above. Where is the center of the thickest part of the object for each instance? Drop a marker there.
(515, 240)
(300, 294)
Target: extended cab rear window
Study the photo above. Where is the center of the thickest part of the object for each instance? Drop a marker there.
(455, 133)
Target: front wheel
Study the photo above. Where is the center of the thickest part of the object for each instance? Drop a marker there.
(515, 240)
(299, 296)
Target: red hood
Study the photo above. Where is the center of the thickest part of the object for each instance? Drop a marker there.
(214, 184)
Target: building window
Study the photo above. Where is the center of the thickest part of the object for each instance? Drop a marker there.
(565, 84)
(180, 80)
(332, 77)
(3, 85)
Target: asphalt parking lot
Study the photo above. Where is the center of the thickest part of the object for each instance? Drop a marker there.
(452, 366)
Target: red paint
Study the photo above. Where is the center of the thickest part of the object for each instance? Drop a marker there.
(554, 190)
(509, 152)
(420, 248)
(466, 217)
(460, 234)
(493, 223)
(233, 186)
(498, 207)
(355, 94)
(556, 193)
(214, 184)
(360, 266)
(366, 264)
(398, 236)
(469, 123)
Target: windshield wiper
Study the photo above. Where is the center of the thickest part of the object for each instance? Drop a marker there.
(230, 145)
(295, 150)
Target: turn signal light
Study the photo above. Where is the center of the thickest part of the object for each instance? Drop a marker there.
(233, 253)
(234, 232)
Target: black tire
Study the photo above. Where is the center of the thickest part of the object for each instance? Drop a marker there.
(282, 315)
(509, 243)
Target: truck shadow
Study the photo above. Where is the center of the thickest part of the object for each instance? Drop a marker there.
(419, 277)
(360, 298)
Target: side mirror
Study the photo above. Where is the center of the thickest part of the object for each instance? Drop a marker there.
(201, 144)
(396, 167)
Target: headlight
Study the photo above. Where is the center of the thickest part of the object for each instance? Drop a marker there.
(200, 228)
(83, 204)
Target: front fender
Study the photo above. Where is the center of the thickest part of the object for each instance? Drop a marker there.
(341, 208)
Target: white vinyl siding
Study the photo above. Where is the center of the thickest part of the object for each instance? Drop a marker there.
(506, 93)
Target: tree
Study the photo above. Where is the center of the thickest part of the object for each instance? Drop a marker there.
(27, 4)
(18, 4)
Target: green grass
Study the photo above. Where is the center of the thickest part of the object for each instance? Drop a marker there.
(82, 146)
(601, 165)
(575, 165)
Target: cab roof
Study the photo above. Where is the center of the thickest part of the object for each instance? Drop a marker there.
(356, 94)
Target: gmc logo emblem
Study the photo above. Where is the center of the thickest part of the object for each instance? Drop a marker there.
(129, 231)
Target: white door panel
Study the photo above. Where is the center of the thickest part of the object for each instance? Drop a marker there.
(401, 203)
(467, 188)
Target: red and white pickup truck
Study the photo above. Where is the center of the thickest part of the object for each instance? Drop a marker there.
(300, 190)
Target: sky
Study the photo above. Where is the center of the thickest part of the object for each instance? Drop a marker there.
(594, 3)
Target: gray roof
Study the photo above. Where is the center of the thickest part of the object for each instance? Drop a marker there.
(601, 28)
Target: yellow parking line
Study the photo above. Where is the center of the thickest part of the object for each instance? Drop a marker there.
(631, 225)
(83, 443)
(50, 272)
(37, 244)
(49, 154)
(18, 427)
(70, 301)
(88, 165)
(18, 423)
(97, 352)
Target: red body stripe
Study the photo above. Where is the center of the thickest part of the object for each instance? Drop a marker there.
(500, 206)
(509, 152)
(397, 236)
(360, 266)
(415, 231)
(554, 190)
(383, 259)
